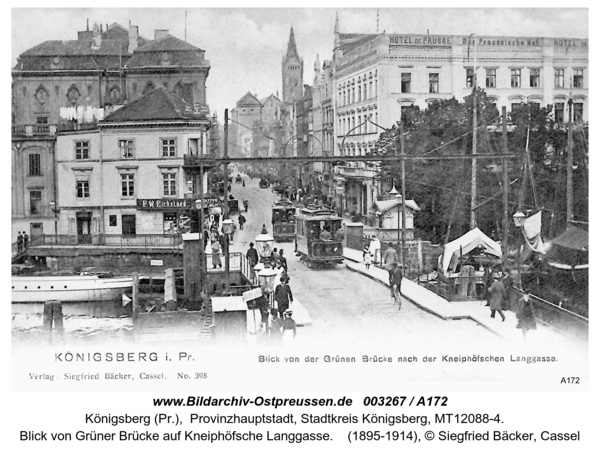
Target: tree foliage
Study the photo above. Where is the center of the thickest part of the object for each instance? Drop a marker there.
(442, 188)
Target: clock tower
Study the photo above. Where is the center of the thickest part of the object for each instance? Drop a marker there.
(292, 68)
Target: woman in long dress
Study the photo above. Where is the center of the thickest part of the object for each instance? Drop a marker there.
(525, 315)
(289, 329)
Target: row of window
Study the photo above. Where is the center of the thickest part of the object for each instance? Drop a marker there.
(358, 124)
(490, 79)
(168, 148)
(73, 94)
(169, 185)
(359, 91)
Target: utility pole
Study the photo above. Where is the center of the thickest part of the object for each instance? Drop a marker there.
(403, 193)
(226, 197)
(474, 161)
(505, 217)
(570, 166)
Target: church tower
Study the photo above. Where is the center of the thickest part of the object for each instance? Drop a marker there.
(292, 68)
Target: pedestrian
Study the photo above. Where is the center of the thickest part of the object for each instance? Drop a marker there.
(487, 280)
(497, 298)
(279, 270)
(275, 327)
(25, 241)
(390, 259)
(283, 295)
(375, 248)
(19, 242)
(339, 234)
(525, 315)
(367, 257)
(241, 221)
(396, 283)
(283, 260)
(243, 183)
(289, 328)
(216, 254)
(274, 257)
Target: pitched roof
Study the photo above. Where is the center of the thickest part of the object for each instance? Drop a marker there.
(351, 41)
(248, 99)
(168, 43)
(78, 54)
(157, 105)
(177, 53)
(389, 204)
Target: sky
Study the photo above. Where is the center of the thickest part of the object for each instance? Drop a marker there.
(245, 46)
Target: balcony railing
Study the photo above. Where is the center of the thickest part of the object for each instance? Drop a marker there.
(31, 130)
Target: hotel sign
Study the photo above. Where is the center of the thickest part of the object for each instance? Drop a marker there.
(491, 41)
(174, 204)
(423, 40)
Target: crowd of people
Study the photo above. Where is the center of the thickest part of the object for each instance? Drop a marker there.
(275, 306)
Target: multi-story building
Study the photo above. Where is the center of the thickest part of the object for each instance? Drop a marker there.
(255, 126)
(129, 175)
(377, 76)
(322, 120)
(71, 85)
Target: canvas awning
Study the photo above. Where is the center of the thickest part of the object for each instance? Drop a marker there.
(573, 238)
(467, 243)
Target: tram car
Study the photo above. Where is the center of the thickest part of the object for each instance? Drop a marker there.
(317, 238)
(283, 218)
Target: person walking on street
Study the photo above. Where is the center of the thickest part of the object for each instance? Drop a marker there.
(283, 296)
(283, 260)
(241, 221)
(525, 315)
(367, 257)
(252, 256)
(497, 298)
(396, 284)
(289, 328)
(275, 327)
(216, 254)
(25, 241)
(19, 243)
(390, 259)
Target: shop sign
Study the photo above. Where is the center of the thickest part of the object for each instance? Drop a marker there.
(174, 204)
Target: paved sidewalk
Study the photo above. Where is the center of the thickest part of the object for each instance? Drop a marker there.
(476, 311)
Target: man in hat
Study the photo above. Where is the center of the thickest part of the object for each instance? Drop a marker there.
(390, 259)
(396, 282)
(497, 297)
(283, 296)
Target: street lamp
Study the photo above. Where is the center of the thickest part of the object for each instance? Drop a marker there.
(264, 245)
(339, 189)
(56, 211)
(398, 196)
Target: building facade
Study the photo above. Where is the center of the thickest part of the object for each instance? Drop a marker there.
(128, 176)
(61, 86)
(377, 76)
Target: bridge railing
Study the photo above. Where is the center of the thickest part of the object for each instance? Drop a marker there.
(110, 240)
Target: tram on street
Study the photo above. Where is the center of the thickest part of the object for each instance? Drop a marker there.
(317, 237)
(283, 218)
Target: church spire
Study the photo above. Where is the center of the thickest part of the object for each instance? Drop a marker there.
(291, 49)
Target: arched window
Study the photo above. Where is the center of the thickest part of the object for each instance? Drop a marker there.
(42, 95)
(114, 95)
(73, 95)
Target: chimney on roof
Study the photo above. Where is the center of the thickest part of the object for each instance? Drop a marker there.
(159, 34)
(133, 38)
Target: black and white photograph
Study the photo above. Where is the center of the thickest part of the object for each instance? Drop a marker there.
(286, 198)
